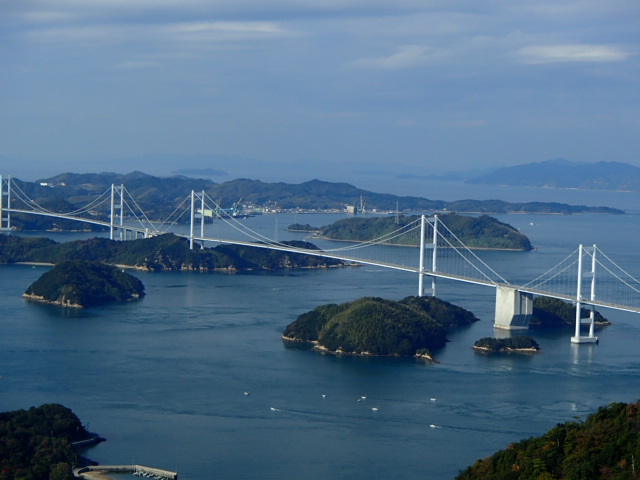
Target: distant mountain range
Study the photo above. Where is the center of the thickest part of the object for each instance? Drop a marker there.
(160, 196)
(561, 173)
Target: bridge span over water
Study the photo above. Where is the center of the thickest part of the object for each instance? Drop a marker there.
(426, 247)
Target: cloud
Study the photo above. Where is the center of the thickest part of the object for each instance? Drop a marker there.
(571, 54)
(406, 56)
(139, 65)
(227, 31)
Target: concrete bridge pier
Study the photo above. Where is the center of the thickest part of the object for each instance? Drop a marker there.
(513, 309)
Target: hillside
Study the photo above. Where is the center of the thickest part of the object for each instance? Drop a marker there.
(36, 444)
(162, 253)
(475, 232)
(375, 326)
(560, 173)
(159, 197)
(603, 447)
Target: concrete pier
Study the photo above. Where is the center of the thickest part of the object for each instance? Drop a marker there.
(85, 472)
(513, 309)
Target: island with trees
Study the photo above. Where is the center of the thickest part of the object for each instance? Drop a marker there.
(38, 443)
(483, 232)
(556, 313)
(414, 326)
(83, 283)
(166, 252)
(602, 447)
(517, 344)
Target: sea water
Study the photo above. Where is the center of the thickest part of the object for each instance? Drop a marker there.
(195, 378)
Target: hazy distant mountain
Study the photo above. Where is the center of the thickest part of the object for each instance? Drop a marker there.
(561, 173)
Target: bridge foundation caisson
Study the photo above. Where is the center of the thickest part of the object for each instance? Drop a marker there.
(513, 309)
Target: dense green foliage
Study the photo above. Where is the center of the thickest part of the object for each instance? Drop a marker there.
(35, 444)
(85, 283)
(606, 446)
(299, 227)
(475, 232)
(379, 327)
(506, 344)
(554, 313)
(164, 252)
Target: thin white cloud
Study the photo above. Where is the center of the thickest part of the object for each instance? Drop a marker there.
(227, 31)
(185, 32)
(139, 65)
(571, 54)
(406, 56)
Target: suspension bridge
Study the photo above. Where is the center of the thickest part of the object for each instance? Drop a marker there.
(587, 277)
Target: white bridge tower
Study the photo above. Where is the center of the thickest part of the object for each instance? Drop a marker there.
(5, 203)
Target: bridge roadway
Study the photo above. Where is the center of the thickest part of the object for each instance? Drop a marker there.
(320, 253)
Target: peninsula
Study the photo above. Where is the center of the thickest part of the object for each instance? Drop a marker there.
(38, 443)
(413, 326)
(166, 252)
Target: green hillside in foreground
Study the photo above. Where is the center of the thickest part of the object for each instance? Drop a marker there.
(35, 444)
(606, 446)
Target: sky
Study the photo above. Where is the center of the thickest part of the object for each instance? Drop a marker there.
(358, 91)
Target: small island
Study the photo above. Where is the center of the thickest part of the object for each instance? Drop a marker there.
(413, 326)
(82, 284)
(518, 344)
(483, 232)
(555, 313)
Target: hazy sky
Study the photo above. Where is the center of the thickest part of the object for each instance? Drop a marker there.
(293, 90)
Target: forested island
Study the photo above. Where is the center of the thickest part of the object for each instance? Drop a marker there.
(166, 252)
(84, 283)
(603, 447)
(517, 344)
(37, 444)
(483, 232)
(556, 313)
(375, 326)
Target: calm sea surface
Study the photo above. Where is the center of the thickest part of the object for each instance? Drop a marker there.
(164, 379)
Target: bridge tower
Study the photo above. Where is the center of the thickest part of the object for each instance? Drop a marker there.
(5, 203)
(194, 214)
(117, 203)
(434, 246)
(591, 338)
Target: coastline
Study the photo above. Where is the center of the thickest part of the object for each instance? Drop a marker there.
(506, 350)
